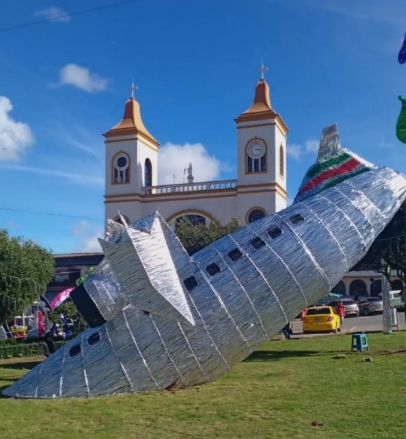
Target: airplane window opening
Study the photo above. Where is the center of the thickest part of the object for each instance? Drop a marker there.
(190, 283)
(74, 350)
(235, 254)
(213, 269)
(274, 232)
(94, 338)
(296, 219)
(257, 243)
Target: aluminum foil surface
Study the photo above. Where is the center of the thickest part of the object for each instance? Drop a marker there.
(161, 319)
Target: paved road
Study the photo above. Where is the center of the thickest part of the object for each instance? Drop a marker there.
(355, 324)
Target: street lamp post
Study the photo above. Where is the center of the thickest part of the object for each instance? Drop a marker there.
(387, 318)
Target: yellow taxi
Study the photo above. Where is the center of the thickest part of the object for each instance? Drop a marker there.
(321, 319)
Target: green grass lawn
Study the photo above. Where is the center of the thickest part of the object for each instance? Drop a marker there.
(276, 393)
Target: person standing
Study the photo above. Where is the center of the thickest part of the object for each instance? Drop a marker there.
(287, 330)
(50, 344)
(341, 312)
(303, 314)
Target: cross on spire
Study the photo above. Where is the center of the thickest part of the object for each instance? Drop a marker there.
(263, 69)
(133, 88)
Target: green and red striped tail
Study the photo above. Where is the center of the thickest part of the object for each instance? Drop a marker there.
(334, 165)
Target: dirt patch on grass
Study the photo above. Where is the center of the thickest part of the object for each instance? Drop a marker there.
(21, 363)
(392, 352)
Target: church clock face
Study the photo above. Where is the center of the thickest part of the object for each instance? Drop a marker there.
(256, 149)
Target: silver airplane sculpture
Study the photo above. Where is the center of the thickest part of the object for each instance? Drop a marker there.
(160, 319)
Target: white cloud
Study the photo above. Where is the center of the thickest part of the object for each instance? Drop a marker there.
(84, 147)
(84, 178)
(174, 159)
(296, 151)
(81, 78)
(88, 235)
(53, 13)
(15, 137)
(311, 146)
(385, 144)
(92, 245)
(66, 131)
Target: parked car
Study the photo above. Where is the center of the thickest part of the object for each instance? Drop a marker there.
(351, 308)
(321, 319)
(370, 305)
(396, 300)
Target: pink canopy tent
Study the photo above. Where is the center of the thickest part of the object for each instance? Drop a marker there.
(60, 298)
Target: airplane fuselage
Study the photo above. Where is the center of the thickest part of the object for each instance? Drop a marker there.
(241, 290)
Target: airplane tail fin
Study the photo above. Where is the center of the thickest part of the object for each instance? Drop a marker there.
(141, 261)
(334, 164)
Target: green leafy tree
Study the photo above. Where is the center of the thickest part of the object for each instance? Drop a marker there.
(69, 310)
(195, 237)
(389, 249)
(25, 270)
(89, 271)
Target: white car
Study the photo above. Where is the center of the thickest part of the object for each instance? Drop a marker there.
(351, 308)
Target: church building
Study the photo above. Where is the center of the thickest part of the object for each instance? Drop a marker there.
(131, 185)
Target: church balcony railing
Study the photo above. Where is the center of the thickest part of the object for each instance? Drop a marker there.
(190, 187)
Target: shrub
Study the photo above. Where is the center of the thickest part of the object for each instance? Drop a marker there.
(11, 348)
(21, 350)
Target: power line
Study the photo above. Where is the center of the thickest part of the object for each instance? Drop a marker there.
(392, 238)
(58, 17)
(49, 214)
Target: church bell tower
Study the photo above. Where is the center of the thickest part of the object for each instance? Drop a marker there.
(261, 139)
(131, 163)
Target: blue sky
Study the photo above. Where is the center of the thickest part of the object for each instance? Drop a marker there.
(64, 83)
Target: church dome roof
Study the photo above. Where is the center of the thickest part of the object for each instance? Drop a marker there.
(131, 123)
(261, 108)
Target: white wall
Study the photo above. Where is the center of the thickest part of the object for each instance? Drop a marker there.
(280, 139)
(126, 145)
(147, 151)
(138, 149)
(280, 202)
(270, 132)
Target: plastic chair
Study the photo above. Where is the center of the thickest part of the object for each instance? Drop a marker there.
(359, 341)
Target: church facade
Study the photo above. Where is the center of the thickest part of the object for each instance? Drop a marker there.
(131, 185)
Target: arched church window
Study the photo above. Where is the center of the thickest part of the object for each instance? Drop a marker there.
(281, 161)
(196, 220)
(376, 288)
(358, 288)
(121, 169)
(256, 156)
(255, 215)
(148, 173)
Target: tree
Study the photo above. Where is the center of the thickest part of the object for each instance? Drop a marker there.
(25, 270)
(89, 272)
(195, 237)
(389, 248)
